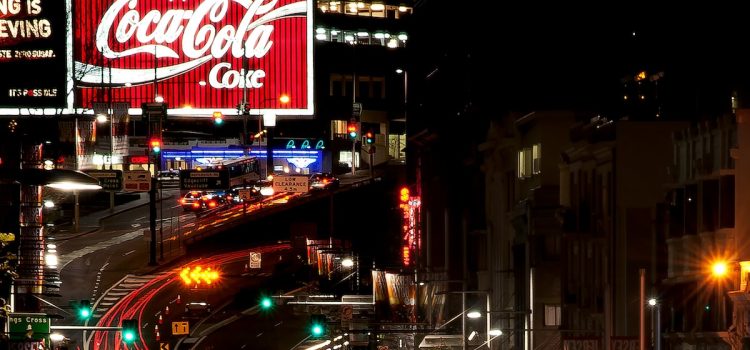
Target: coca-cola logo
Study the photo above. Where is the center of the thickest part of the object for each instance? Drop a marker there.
(194, 36)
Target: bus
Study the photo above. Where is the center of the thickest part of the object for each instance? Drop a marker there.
(242, 170)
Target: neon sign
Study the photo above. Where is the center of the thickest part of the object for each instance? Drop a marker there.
(201, 53)
(305, 144)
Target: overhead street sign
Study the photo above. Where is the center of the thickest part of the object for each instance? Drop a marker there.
(212, 179)
(28, 326)
(110, 180)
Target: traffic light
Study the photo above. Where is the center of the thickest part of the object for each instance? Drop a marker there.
(266, 303)
(84, 309)
(129, 330)
(317, 325)
(352, 129)
(218, 118)
(368, 138)
(155, 145)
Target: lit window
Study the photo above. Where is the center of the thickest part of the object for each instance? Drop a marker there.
(524, 163)
(552, 315)
(536, 159)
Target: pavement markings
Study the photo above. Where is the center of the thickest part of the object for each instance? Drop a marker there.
(122, 288)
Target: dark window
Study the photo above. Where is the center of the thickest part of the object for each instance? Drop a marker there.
(726, 201)
(710, 205)
(364, 89)
(348, 91)
(377, 89)
(336, 88)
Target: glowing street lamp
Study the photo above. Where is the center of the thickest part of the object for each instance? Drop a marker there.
(719, 269)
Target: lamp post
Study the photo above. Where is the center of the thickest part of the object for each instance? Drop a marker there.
(719, 272)
(269, 121)
(472, 314)
(101, 118)
(656, 322)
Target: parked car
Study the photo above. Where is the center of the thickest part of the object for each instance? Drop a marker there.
(323, 181)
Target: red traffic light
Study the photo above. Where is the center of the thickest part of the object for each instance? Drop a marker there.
(155, 145)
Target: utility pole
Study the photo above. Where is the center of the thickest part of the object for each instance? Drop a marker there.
(245, 107)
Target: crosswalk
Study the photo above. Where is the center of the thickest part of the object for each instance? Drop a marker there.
(125, 286)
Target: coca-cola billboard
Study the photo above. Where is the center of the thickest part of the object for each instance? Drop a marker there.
(201, 56)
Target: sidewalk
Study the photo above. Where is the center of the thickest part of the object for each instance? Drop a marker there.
(92, 221)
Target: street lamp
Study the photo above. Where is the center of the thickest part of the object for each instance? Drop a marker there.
(473, 314)
(656, 322)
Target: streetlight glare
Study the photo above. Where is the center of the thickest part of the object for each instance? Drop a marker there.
(474, 314)
(652, 302)
(71, 186)
(719, 269)
(348, 262)
(495, 332)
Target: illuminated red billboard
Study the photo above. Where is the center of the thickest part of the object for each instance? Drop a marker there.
(201, 56)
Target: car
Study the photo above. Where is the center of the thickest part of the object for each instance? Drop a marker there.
(234, 194)
(197, 309)
(192, 200)
(264, 187)
(322, 181)
(168, 175)
(202, 200)
(213, 200)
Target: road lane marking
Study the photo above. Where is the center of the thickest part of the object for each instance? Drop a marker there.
(128, 253)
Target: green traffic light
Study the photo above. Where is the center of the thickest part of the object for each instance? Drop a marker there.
(317, 330)
(128, 336)
(129, 329)
(266, 303)
(84, 309)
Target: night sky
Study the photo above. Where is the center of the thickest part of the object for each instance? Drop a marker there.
(504, 57)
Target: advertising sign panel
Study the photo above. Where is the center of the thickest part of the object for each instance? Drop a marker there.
(201, 55)
(32, 54)
(137, 181)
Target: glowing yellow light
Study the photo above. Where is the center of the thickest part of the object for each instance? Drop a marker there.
(641, 75)
(719, 268)
(284, 99)
(198, 275)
